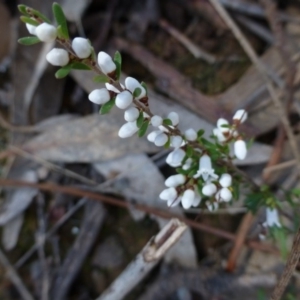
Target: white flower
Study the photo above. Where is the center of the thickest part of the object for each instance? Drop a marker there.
(240, 116)
(46, 32)
(209, 189)
(81, 47)
(169, 194)
(58, 57)
(124, 99)
(240, 149)
(31, 28)
(190, 134)
(173, 116)
(175, 180)
(224, 195)
(131, 114)
(174, 159)
(187, 164)
(156, 121)
(152, 135)
(219, 135)
(188, 198)
(131, 84)
(128, 129)
(272, 218)
(225, 180)
(222, 125)
(212, 206)
(111, 88)
(205, 169)
(106, 63)
(176, 141)
(160, 139)
(99, 96)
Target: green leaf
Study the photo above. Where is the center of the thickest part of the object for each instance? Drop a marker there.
(29, 21)
(140, 120)
(143, 129)
(36, 13)
(137, 92)
(118, 63)
(63, 72)
(168, 143)
(101, 78)
(189, 151)
(28, 40)
(60, 19)
(80, 66)
(106, 108)
(200, 133)
(23, 9)
(167, 122)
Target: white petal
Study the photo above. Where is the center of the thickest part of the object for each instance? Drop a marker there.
(205, 162)
(196, 201)
(58, 57)
(187, 199)
(131, 114)
(176, 141)
(81, 47)
(240, 149)
(99, 96)
(225, 194)
(127, 130)
(173, 203)
(46, 32)
(175, 158)
(173, 116)
(240, 115)
(187, 164)
(175, 180)
(225, 180)
(190, 134)
(156, 121)
(212, 206)
(168, 194)
(219, 135)
(111, 88)
(106, 63)
(124, 99)
(132, 84)
(220, 124)
(152, 135)
(272, 217)
(31, 28)
(160, 139)
(209, 189)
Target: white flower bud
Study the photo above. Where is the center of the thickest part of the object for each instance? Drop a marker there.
(220, 123)
(131, 84)
(209, 189)
(240, 116)
(81, 47)
(176, 141)
(152, 135)
(58, 57)
(219, 135)
(46, 32)
(131, 114)
(224, 195)
(190, 134)
(173, 116)
(112, 88)
(156, 121)
(174, 159)
(124, 99)
(187, 164)
(160, 139)
(175, 180)
(99, 96)
(106, 63)
(240, 149)
(169, 194)
(128, 130)
(225, 180)
(212, 206)
(187, 199)
(31, 28)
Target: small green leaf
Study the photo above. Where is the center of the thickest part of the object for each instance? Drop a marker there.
(60, 19)
(137, 92)
(118, 63)
(167, 122)
(80, 66)
(200, 133)
(106, 108)
(168, 143)
(144, 85)
(29, 21)
(36, 13)
(28, 40)
(189, 151)
(23, 9)
(101, 78)
(63, 72)
(140, 120)
(143, 129)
